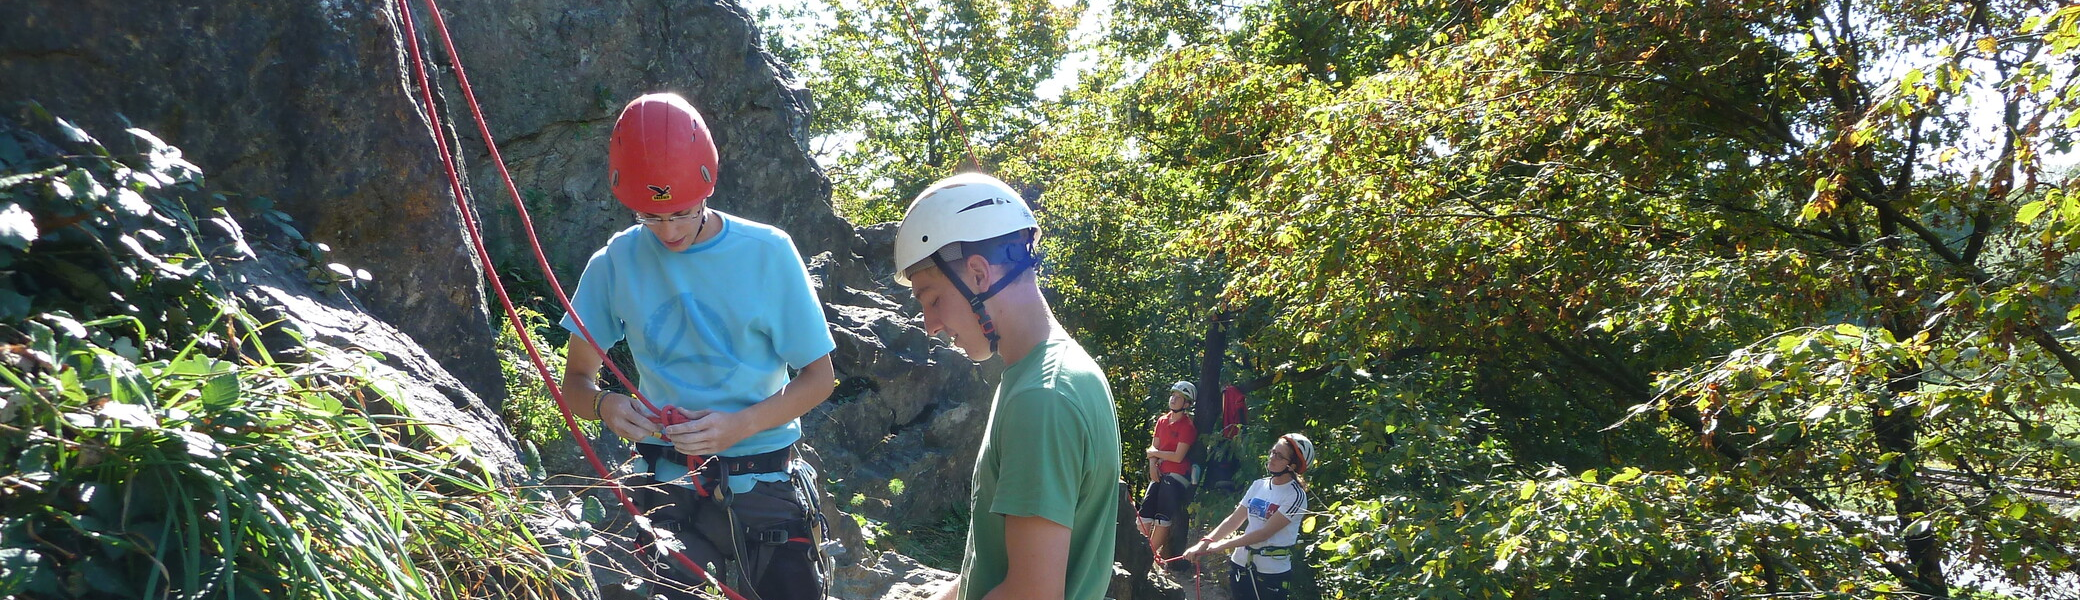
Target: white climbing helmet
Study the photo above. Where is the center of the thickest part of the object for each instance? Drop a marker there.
(969, 207)
(1190, 391)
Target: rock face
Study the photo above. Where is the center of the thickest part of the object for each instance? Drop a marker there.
(303, 103)
(552, 76)
(890, 576)
(907, 408)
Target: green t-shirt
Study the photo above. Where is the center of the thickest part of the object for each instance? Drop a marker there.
(1051, 451)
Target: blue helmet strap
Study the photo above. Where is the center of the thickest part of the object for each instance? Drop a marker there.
(989, 328)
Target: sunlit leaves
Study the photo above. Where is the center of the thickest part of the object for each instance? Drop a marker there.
(906, 89)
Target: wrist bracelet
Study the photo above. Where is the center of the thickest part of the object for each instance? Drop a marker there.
(596, 398)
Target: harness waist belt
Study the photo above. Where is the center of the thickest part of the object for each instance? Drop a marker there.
(768, 462)
(1271, 551)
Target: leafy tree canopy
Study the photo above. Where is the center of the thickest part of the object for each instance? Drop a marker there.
(1675, 299)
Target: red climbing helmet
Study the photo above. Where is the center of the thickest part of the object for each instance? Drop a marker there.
(662, 158)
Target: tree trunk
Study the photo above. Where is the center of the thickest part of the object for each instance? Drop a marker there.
(1207, 406)
(1898, 430)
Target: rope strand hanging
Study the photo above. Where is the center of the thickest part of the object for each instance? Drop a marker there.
(484, 258)
(938, 83)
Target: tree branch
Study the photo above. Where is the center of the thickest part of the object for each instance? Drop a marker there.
(1774, 130)
(1288, 374)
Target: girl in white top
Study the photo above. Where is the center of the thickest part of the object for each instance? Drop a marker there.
(1263, 556)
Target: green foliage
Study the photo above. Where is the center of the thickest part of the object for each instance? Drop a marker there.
(905, 87)
(155, 446)
(1802, 277)
(56, 214)
(1755, 298)
(529, 408)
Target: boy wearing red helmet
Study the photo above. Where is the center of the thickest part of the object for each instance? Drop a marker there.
(716, 309)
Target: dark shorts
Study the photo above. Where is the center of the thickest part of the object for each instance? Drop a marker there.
(1164, 501)
(1245, 583)
(776, 525)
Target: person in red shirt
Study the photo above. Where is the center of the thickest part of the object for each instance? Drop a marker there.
(1169, 475)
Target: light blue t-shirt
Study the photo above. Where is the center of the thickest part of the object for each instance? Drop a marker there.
(715, 326)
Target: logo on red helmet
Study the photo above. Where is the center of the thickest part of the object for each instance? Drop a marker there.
(660, 193)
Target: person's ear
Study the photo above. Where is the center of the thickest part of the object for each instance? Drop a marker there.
(977, 272)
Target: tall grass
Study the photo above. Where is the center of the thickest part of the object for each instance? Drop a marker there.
(151, 445)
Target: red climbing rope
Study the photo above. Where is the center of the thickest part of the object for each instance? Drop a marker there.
(1196, 591)
(670, 416)
(1160, 561)
(484, 257)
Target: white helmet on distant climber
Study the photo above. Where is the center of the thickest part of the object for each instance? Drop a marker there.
(1190, 391)
(969, 207)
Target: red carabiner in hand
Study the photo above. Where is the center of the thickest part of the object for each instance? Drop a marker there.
(673, 415)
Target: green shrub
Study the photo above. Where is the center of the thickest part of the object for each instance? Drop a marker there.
(529, 409)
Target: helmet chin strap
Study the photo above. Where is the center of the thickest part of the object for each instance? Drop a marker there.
(989, 327)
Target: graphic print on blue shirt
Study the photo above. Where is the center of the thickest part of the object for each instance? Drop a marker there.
(696, 353)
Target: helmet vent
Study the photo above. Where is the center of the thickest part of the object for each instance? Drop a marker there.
(987, 202)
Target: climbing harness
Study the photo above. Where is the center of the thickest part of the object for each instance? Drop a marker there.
(1267, 552)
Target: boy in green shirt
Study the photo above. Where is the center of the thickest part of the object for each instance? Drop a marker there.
(1047, 476)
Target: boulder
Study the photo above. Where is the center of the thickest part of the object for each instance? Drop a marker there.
(552, 77)
(889, 576)
(303, 103)
(277, 290)
(908, 407)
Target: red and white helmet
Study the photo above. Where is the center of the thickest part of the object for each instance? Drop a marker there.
(1302, 449)
(662, 158)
